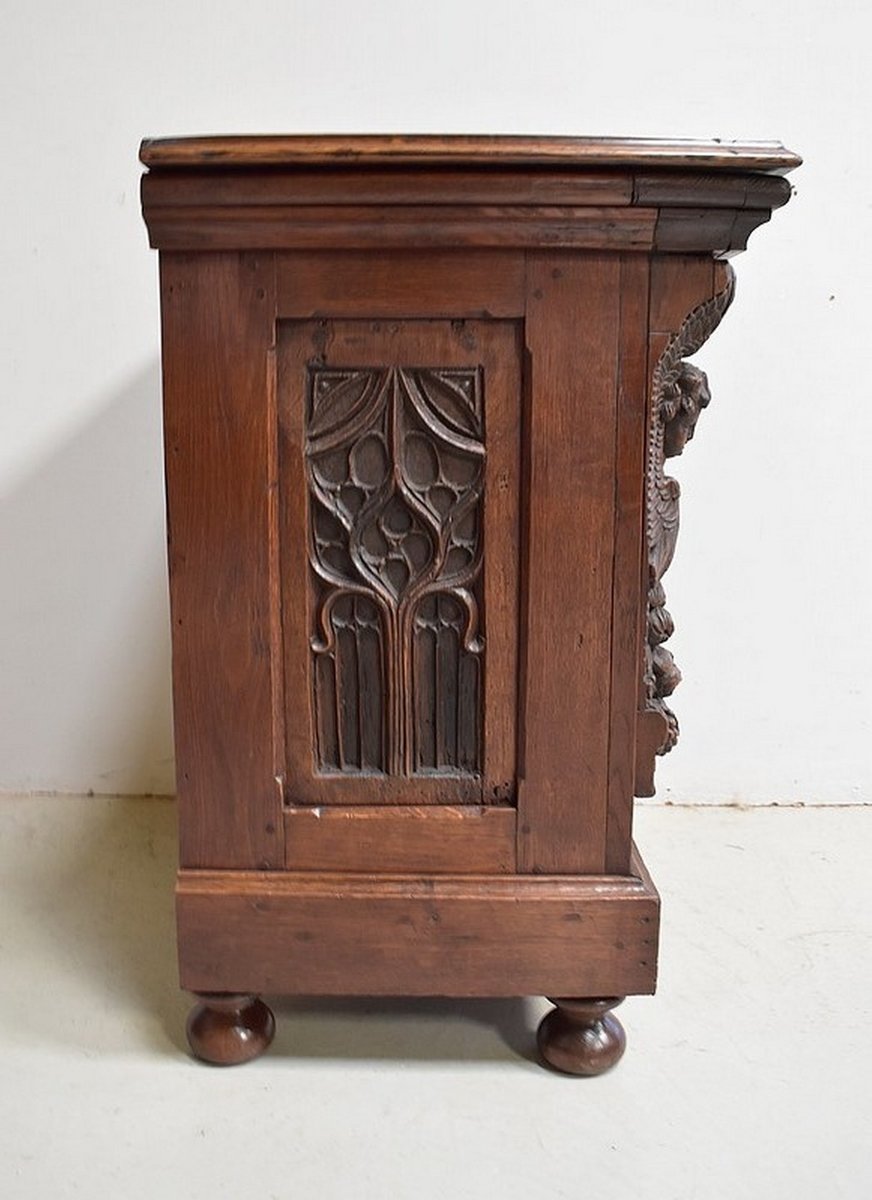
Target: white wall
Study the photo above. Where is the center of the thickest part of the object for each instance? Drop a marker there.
(771, 585)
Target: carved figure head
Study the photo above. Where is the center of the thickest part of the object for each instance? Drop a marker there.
(682, 403)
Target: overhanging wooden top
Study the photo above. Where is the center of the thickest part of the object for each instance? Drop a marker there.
(380, 150)
(398, 193)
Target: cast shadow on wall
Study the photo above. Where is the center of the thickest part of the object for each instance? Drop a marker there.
(84, 628)
(84, 643)
(84, 635)
(88, 933)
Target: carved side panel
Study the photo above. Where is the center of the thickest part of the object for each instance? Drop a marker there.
(395, 463)
(679, 394)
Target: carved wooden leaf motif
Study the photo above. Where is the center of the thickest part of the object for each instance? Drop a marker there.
(395, 461)
(679, 393)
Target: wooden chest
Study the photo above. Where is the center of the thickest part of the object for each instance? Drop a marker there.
(418, 397)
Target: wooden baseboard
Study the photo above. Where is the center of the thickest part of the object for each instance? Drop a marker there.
(341, 934)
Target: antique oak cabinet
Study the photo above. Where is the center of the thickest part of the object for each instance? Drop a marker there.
(418, 397)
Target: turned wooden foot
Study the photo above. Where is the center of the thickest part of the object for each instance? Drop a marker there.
(226, 1029)
(582, 1037)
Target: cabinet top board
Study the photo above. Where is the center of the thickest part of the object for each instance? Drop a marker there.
(380, 150)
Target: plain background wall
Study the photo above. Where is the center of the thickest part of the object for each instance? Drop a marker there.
(771, 584)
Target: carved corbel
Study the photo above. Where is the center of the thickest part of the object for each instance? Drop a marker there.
(679, 394)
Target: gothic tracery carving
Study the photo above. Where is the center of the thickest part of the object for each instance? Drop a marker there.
(395, 461)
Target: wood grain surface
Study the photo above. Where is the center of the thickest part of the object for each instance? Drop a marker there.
(218, 321)
(572, 328)
(511, 935)
(428, 150)
(403, 227)
(629, 500)
(440, 838)
(451, 284)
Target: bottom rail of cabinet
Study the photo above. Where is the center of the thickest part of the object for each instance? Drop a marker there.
(300, 933)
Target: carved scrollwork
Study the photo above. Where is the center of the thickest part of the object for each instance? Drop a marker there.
(395, 461)
(679, 394)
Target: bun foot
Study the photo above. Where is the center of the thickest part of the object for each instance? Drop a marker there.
(227, 1029)
(581, 1037)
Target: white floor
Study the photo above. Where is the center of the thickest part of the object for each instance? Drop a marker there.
(749, 1075)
